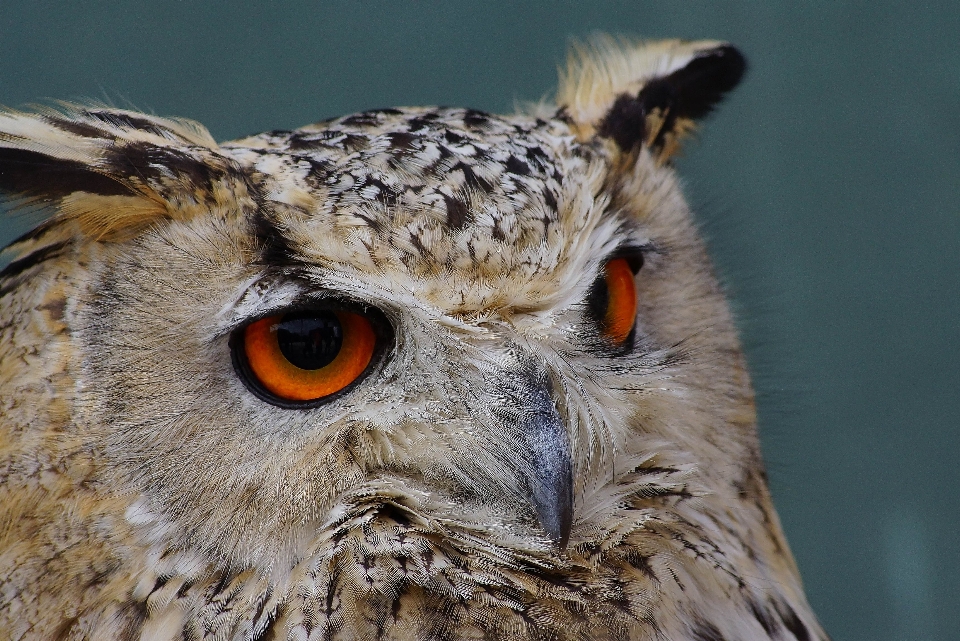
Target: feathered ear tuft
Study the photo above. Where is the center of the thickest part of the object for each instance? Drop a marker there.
(646, 94)
(112, 171)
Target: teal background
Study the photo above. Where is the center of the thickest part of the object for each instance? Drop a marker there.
(827, 186)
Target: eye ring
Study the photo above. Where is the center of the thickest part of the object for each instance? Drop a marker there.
(304, 358)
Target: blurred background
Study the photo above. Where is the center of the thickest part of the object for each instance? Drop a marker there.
(827, 186)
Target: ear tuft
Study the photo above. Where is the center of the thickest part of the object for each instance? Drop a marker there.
(113, 172)
(650, 94)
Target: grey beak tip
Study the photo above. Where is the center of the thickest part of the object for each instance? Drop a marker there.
(549, 469)
(554, 505)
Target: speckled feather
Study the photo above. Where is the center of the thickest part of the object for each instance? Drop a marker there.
(146, 493)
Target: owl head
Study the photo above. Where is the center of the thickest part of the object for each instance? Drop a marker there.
(401, 361)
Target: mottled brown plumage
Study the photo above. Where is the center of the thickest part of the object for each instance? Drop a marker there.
(501, 470)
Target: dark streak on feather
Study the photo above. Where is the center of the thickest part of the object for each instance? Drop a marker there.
(401, 141)
(129, 121)
(76, 128)
(517, 167)
(30, 260)
(471, 179)
(275, 248)
(706, 631)
(153, 163)
(763, 616)
(792, 622)
(458, 215)
(39, 176)
(475, 119)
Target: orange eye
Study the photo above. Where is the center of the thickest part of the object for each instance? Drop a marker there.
(620, 311)
(305, 356)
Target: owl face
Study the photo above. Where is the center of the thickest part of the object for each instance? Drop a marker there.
(414, 358)
(471, 251)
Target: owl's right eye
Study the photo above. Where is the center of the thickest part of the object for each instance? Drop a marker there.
(304, 357)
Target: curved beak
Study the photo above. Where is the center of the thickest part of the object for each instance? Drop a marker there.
(548, 469)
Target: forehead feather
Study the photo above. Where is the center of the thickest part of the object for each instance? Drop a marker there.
(428, 191)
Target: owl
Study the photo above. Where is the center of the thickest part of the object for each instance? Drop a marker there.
(413, 373)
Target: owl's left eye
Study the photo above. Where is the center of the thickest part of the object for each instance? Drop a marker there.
(304, 357)
(613, 300)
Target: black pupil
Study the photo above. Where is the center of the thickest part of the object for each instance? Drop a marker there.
(599, 299)
(312, 340)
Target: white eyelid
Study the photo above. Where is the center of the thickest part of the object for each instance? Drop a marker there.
(257, 297)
